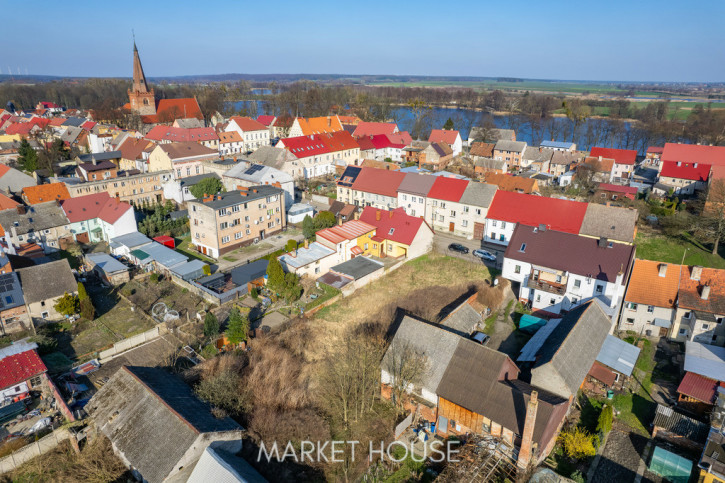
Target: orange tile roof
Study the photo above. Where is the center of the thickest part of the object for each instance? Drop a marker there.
(605, 165)
(248, 124)
(229, 137)
(347, 231)
(517, 184)
(318, 125)
(45, 192)
(443, 135)
(7, 203)
(648, 288)
(168, 110)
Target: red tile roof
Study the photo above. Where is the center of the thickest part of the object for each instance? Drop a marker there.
(404, 226)
(180, 134)
(99, 205)
(691, 171)
(338, 141)
(620, 156)
(443, 136)
(382, 141)
(379, 181)
(655, 149)
(45, 192)
(230, 137)
(602, 374)
(347, 231)
(265, 120)
(693, 153)
(57, 121)
(615, 188)
(365, 143)
(402, 137)
(448, 189)
(556, 214)
(19, 128)
(88, 125)
(18, 368)
(700, 387)
(374, 128)
(7, 203)
(131, 148)
(304, 146)
(248, 124)
(168, 110)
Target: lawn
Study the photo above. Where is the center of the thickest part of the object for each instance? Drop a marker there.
(185, 247)
(670, 250)
(327, 293)
(637, 409)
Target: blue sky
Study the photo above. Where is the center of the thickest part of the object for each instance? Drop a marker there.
(635, 40)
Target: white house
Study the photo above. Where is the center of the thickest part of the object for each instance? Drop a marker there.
(98, 217)
(413, 193)
(254, 134)
(452, 138)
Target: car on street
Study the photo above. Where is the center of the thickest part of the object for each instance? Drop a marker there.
(480, 337)
(484, 255)
(457, 247)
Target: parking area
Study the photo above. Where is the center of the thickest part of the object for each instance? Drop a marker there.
(442, 241)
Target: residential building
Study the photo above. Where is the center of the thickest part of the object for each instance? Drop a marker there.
(700, 306)
(450, 137)
(397, 234)
(435, 156)
(42, 193)
(486, 166)
(653, 157)
(515, 184)
(562, 162)
(373, 187)
(23, 370)
(412, 193)
(249, 175)
(366, 129)
(443, 211)
(610, 222)
(559, 146)
(537, 159)
(13, 311)
(388, 146)
(345, 182)
(135, 153)
(183, 159)
(509, 209)
(342, 211)
(230, 142)
(490, 135)
(254, 134)
(614, 192)
(684, 178)
(179, 189)
(98, 217)
(480, 149)
(558, 271)
(14, 181)
(312, 260)
(600, 170)
(230, 220)
(343, 147)
(314, 125)
(100, 156)
(475, 201)
(97, 170)
(206, 136)
(624, 159)
(43, 285)
(693, 153)
(510, 151)
(187, 123)
(312, 154)
(131, 188)
(44, 224)
(346, 238)
(281, 126)
(651, 299)
(156, 403)
(281, 159)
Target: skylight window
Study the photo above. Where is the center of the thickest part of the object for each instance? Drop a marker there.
(523, 247)
(391, 231)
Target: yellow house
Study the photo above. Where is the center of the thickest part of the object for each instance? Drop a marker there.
(8, 138)
(397, 234)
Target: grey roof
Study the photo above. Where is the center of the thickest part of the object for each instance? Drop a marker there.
(618, 355)
(163, 255)
(221, 466)
(14, 181)
(104, 156)
(532, 153)
(192, 180)
(10, 287)
(489, 163)
(258, 174)
(515, 146)
(188, 123)
(571, 349)
(463, 320)
(358, 267)
(152, 419)
(564, 157)
(532, 347)
(336, 280)
(705, 359)
(106, 262)
(231, 198)
(132, 240)
(612, 222)
(305, 256)
(494, 134)
(557, 144)
(680, 424)
(478, 194)
(434, 342)
(179, 214)
(251, 271)
(416, 184)
(36, 217)
(74, 121)
(271, 156)
(46, 281)
(70, 134)
(299, 208)
(190, 270)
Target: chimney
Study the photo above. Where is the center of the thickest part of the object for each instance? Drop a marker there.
(21, 209)
(390, 213)
(357, 215)
(527, 439)
(663, 269)
(307, 243)
(705, 293)
(242, 189)
(339, 221)
(377, 215)
(94, 161)
(696, 272)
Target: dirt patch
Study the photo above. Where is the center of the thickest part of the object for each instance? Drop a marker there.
(621, 459)
(145, 294)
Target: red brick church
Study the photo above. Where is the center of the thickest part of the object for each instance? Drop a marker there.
(152, 111)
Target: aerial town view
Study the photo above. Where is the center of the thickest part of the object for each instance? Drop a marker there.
(378, 243)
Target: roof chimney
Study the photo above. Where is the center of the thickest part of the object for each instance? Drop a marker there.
(528, 436)
(307, 243)
(377, 215)
(602, 242)
(339, 221)
(357, 215)
(696, 272)
(705, 292)
(21, 209)
(663, 269)
(391, 214)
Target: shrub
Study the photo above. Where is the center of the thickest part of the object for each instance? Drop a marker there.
(211, 325)
(209, 351)
(206, 270)
(68, 304)
(238, 327)
(254, 293)
(226, 391)
(291, 245)
(604, 424)
(154, 277)
(577, 443)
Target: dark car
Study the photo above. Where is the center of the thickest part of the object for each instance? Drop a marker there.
(457, 247)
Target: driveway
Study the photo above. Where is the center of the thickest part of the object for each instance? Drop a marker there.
(243, 255)
(442, 240)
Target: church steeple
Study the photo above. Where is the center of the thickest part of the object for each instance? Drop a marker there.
(141, 97)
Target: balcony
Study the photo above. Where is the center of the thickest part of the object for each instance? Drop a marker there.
(550, 287)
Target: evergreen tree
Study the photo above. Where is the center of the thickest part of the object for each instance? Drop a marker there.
(67, 304)
(27, 157)
(448, 126)
(308, 227)
(88, 311)
(324, 219)
(275, 276)
(291, 245)
(238, 328)
(211, 325)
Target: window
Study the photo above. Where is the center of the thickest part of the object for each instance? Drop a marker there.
(687, 315)
(8, 299)
(577, 283)
(391, 231)
(464, 223)
(441, 217)
(478, 211)
(552, 302)
(632, 306)
(317, 270)
(225, 239)
(517, 269)
(558, 279)
(493, 235)
(523, 247)
(503, 224)
(494, 223)
(629, 321)
(650, 308)
(599, 289)
(683, 331)
(574, 300)
(705, 326)
(465, 209)
(238, 235)
(453, 214)
(538, 297)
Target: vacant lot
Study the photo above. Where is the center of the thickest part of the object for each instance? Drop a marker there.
(651, 246)
(146, 294)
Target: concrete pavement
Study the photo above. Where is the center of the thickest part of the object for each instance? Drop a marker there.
(442, 240)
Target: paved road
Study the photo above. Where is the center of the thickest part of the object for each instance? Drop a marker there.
(442, 240)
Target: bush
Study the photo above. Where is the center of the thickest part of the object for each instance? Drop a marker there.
(291, 245)
(238, 328)
(604, 423)
(206, 270)
(68, 304)
(209, 351)
(211, 325)
(578, 477)
(254, 293)
(154, 277)
(577, 443)
(226, 391)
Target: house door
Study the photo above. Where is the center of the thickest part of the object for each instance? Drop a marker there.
(478, 229)
(261, 234)
(663, 332)
(451, 226)
(83, 237)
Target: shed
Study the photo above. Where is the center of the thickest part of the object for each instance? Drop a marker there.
(108, 268)
(298, 211)
(125, 244)
(166, 241)
(530, 324)
(251, 274)
(618, 355)
(671, 466)
(190, 270)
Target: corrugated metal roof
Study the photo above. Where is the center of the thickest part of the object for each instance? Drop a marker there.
(132, 240)
(528, 353)
(706, 360)
(701, 388)
(106, 262)
(618, 355)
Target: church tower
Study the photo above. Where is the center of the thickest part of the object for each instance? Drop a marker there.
(140, 96)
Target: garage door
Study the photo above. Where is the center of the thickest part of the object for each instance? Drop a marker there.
(478, 230)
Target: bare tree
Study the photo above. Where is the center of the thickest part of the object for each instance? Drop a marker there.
(406, 367)
(712, 220)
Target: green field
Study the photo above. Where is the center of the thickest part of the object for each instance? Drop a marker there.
(670, 250)
(554, 87)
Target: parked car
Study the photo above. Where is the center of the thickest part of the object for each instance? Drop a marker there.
(480, 337)
(457, 247)
(484, 255)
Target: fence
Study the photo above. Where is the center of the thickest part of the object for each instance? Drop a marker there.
(36, 448)
(208, 295)
(126, 344)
